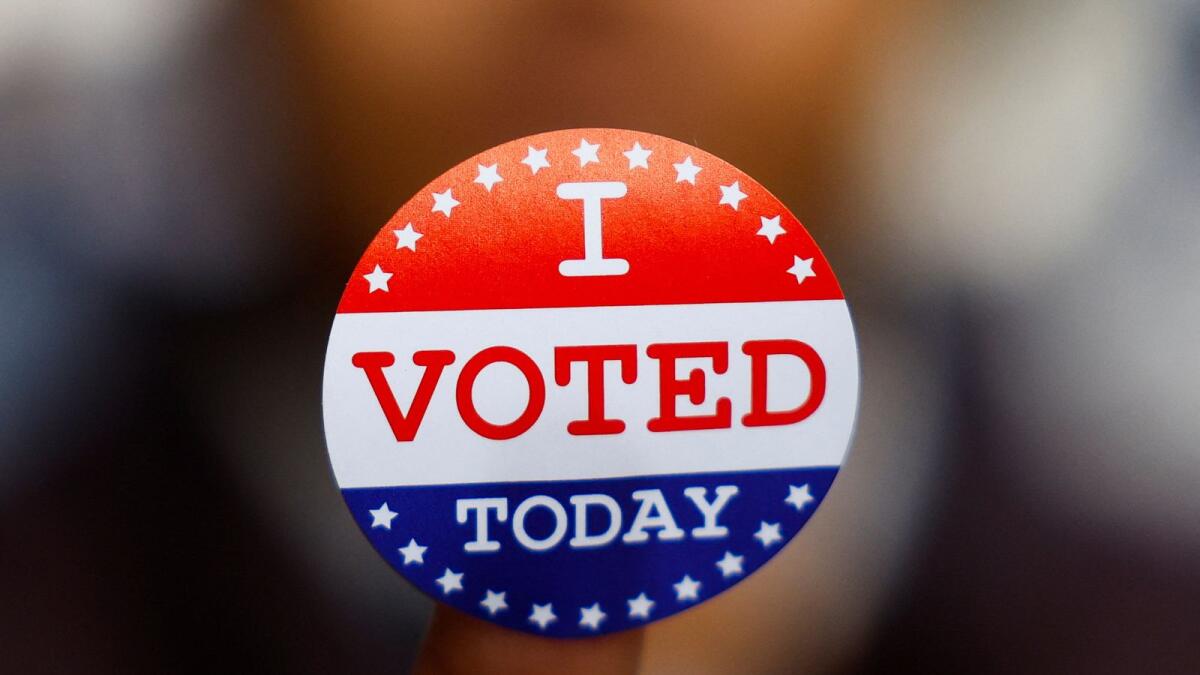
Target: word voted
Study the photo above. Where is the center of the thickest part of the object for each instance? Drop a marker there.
(653, 514)
(670, 386)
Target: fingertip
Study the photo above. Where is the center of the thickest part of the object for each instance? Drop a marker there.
(459, 644)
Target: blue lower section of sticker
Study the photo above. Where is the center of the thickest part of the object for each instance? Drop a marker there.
(548, 558)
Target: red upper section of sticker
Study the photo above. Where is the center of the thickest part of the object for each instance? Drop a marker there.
(492, 232)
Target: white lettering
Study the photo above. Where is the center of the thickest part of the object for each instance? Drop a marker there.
(584, 540)
(653, 512)
(710, 511)
(560, 523)
(593, 264)
(482, 544)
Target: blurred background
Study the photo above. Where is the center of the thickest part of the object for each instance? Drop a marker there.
(1009, 190)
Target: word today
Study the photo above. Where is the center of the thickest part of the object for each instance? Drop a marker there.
(653, 515)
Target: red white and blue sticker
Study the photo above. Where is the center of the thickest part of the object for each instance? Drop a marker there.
(586, 380)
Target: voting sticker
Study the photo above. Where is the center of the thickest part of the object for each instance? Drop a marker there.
(586, 380)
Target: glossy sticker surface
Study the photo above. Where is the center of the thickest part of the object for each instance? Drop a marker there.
(586, 380)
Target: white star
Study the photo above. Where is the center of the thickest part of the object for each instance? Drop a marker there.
(688, 589)
(488, 176)
(768, 534)
(686, 171)
(799, 497)
(731, 565)
(494, 602)
(450, 581)
(731, 194)
(801, 268)
(413, 552)
(407, 238)
(639, 607)
(637, 156)
(536, 160)
(770, 228)
(444, 202)
(586, 152)
(542, 615)
(382, 517)
(590, 617)
(378, 279)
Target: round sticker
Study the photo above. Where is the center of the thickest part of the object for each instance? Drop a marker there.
(586, 380)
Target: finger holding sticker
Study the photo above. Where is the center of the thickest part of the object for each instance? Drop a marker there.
(458, 644)
(587, 380)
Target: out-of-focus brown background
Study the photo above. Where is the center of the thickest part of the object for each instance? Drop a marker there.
(1010, 192)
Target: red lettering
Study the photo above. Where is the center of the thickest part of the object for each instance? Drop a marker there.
(404, 427)
(595, 356)
(670, 387)
(759, 350)
(466, 385)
